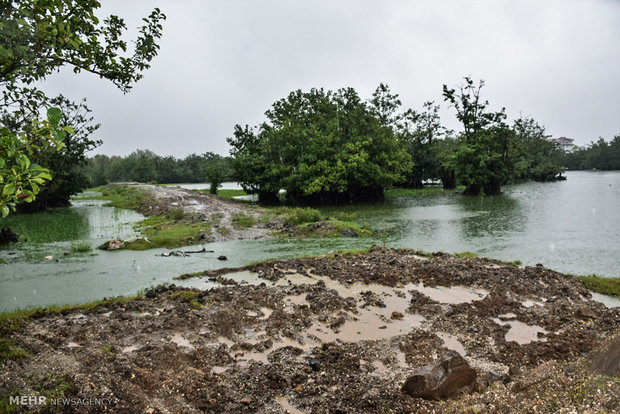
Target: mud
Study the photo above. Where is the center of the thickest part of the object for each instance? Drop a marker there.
(331, 334)
(206, 207)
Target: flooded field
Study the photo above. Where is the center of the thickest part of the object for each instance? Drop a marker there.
(570, 226)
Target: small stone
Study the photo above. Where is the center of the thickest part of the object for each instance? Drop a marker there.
(314, 364)
(397, 315)
(222, 257)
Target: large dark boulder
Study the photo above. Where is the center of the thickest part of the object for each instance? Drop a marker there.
(607, 360)
(442, 379)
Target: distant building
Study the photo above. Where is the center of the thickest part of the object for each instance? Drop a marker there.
(563, 143)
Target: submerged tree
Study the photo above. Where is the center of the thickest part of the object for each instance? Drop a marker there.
(37, 38)
(481, 158)
(321, 147)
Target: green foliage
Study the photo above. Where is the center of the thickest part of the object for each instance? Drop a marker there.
(243, 221)
(417, 192)
(8, 350)
(466, 255)
(108, 352)
(122, 196)
(190, 296)
(37, 38)
(481, 158)
(80, 246)
(215, 176)
(20, 179)
(176, 213)
(605, 285)
(320, 147)
(600, 155)
(294, 216)
(162, 232)
(231, 193)
(145, 166)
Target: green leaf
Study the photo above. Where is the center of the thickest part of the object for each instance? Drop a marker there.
(54, 115)
(2, 163)
(44, 175)
(5, 211)
(9, 189)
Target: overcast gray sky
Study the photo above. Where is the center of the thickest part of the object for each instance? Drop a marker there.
(225, 62)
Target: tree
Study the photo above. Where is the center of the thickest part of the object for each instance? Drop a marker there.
(482, 155)
(37, 38)
(321, 147)
(67, 165)
(420, 132)
(535, 157)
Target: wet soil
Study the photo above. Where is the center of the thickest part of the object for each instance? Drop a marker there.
(337, 334)
(206, 207)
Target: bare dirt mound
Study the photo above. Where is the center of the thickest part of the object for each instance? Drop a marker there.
(207, 207)
(337, 334)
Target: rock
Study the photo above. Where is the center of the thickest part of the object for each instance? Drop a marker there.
(112, 245)
(442, 379)
(314, 364)
(222, 257)
(607, 360)
(349, 233)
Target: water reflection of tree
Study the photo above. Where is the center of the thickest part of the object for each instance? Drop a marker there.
(492, 216)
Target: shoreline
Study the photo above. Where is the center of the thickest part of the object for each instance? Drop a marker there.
(296, 330)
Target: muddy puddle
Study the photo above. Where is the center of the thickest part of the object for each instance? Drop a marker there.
(380, 312)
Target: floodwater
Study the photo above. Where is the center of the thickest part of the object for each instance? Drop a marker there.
(571, 226)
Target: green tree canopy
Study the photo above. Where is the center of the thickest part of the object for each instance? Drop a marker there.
(37, 38)
(321, 147)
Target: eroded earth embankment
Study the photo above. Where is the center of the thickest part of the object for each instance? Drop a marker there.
(340, 333)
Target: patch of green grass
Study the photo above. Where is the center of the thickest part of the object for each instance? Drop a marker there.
(231, 193)
(8, 350)
(243, 221)
(122, 196)
(189, 296)
(294, 216)
(108, 352)
(417, 192)
(176, 213)
(223, 230)
(80, 246)
(216, 218)
(605, 285)
(466, 255)
(161, 232)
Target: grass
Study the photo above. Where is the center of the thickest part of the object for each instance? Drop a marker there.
(223, 230)
(417, 192)
(80, 247)
(243, 221)
(466, 255)
(294, 216)
(163, 232)
(108, 352)
(121, 196)
(605, 285)
(230, 193)
(189, 296)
